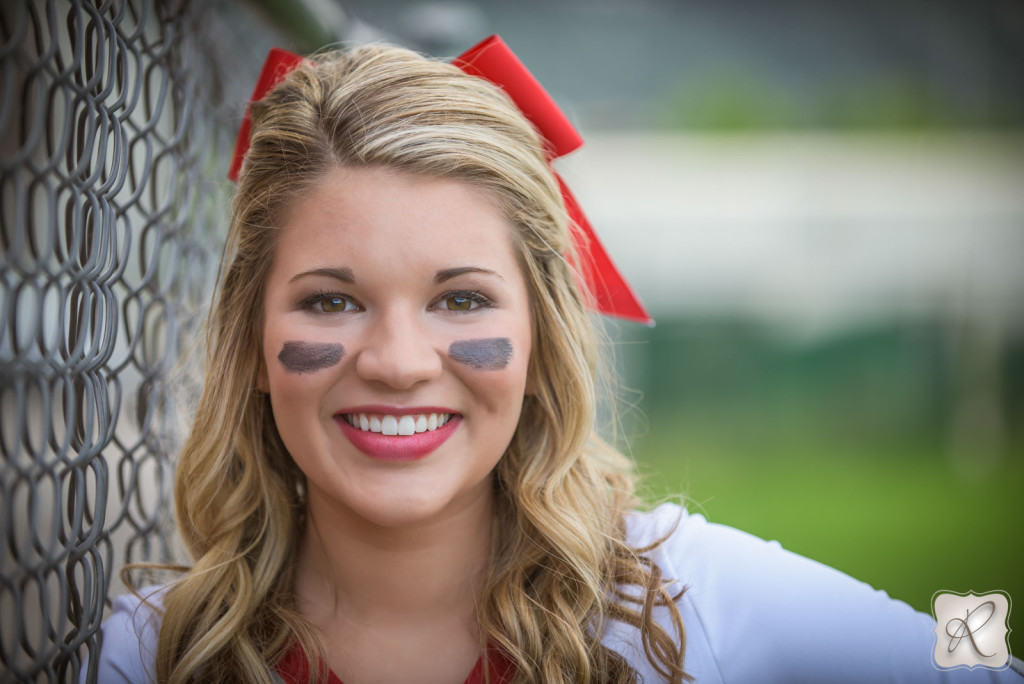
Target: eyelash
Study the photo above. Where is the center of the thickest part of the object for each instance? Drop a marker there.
(482, 302)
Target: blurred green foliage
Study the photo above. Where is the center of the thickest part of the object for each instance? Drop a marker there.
(300, 22)
(839, 448)
(730, 102)
(738, 101)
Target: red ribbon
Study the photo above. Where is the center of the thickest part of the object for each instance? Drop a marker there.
(279, 64)
(492, 60)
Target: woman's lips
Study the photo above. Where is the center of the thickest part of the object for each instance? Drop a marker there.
(383, 447)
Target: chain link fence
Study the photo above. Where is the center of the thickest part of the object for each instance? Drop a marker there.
(112, 202)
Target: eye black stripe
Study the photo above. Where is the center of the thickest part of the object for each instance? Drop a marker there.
(309, 357)
(493, 353)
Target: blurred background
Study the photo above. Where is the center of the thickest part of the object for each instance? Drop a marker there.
(822, 204)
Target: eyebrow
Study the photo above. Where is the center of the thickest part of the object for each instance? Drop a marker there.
(449, 273)
(343, 274)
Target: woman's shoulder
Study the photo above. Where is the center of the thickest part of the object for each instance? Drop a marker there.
(754, 611)
(130, 632)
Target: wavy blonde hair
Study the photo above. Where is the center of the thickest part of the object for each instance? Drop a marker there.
(560, 566)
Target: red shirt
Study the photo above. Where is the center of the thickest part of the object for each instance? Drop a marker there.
(294, 668)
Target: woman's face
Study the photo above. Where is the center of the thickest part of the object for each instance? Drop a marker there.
(396, 341)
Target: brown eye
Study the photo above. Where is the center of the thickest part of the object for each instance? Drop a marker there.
(333, 304)
(458, 302)
(463, 301)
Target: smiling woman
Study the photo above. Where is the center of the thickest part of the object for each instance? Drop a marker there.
(394, 472)
(455, 277)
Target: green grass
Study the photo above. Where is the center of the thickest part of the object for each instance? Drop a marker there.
(901, 517)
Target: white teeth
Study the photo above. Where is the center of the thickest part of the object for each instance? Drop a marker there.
(407, 425)
(397, 425)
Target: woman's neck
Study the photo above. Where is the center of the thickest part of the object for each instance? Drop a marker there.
(352, 570)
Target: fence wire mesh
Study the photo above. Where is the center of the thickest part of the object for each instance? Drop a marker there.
(111, 206)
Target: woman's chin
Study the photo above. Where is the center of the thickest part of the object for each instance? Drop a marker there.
(396, 508)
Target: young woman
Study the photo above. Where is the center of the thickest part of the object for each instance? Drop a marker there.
(394, 474)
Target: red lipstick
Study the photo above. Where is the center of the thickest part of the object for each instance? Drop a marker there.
(397, 447)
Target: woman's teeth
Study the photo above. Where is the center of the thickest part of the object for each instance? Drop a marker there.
(397, 425)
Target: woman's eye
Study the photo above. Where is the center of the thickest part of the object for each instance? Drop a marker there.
(328, 303)
(458, 303)
(463, 301)
(333, 304)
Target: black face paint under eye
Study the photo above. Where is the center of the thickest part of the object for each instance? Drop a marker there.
(309, 357)
(493, 353)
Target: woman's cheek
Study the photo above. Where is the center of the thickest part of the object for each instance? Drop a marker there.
(298, 370)
(497, 366)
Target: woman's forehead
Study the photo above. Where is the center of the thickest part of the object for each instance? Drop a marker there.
(381, 218)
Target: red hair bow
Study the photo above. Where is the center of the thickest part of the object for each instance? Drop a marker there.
(492, 60)
(279, 64)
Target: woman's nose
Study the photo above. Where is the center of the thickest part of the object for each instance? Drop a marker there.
(398, 352)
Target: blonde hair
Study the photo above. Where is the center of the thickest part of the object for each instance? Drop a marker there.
(560, 563)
